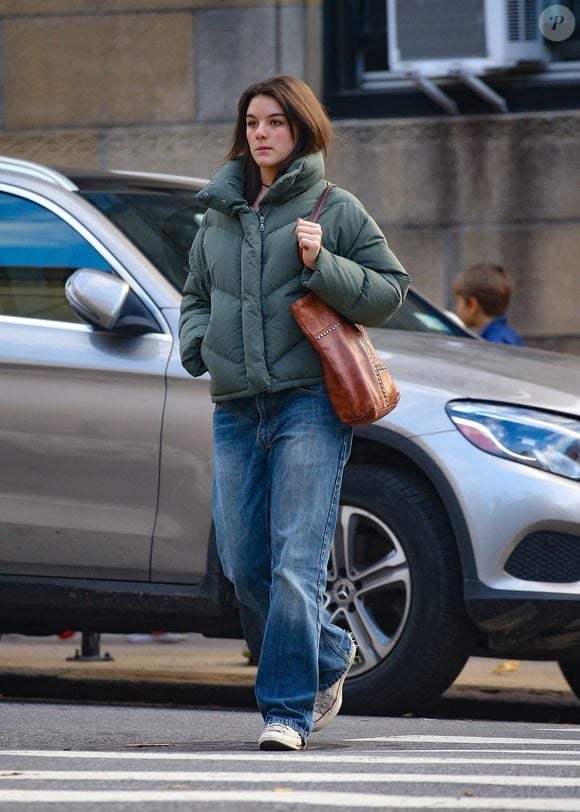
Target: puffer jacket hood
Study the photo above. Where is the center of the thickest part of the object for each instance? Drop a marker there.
(245, 273)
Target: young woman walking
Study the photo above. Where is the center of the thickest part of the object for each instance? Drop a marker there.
(279, 449)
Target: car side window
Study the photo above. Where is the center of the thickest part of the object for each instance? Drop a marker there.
(38, 252)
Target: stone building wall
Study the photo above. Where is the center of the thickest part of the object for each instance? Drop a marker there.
(450, 192)
(153, 84)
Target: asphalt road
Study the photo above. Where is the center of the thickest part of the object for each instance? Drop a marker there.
(72, 757)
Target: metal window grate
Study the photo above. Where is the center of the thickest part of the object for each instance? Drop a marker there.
(513, 20)
(531, 14)
(522, 20)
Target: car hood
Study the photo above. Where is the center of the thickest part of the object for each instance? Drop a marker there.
(479, 370)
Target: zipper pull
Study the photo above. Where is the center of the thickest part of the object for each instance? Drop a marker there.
(262, 218)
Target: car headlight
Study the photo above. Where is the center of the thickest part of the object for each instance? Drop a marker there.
(540, 439)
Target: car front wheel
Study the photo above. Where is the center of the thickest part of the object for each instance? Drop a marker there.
(394, 581)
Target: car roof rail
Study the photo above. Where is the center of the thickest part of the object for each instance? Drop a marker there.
(39, 171)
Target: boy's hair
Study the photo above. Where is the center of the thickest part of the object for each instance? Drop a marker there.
(490, 284)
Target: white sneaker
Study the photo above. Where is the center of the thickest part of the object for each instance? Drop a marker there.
(277, 736)
(328, 703)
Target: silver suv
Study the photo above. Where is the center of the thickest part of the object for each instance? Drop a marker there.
(459, 528)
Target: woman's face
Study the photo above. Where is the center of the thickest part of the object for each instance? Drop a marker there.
(269, 135)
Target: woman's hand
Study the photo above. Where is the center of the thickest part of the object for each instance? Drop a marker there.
(309, 236)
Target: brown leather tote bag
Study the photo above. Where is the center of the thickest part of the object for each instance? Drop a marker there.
(360, 387)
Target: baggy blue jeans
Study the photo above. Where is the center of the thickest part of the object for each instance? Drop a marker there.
(278, 464)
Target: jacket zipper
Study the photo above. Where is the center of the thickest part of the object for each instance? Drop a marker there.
(262, 217)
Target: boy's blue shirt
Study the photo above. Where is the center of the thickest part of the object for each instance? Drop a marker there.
(500, 331)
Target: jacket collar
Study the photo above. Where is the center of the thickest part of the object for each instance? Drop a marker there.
(225, 191)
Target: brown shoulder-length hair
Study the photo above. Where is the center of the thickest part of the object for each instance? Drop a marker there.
(307, 119)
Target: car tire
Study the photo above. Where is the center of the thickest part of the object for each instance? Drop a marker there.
(394, 581)
(395, 546)
(571, 672)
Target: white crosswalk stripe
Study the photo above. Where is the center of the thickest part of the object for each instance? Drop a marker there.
(295, 778)
(472, 772)
(308, 757)
(354, 800)
(464, 740)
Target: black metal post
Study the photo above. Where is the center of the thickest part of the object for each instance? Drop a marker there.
(90, 649)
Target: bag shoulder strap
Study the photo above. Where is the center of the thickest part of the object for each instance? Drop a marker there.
(318, 206)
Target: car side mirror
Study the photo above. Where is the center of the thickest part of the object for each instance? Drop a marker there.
(106, 302)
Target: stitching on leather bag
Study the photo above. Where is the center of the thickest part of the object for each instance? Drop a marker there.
(377, 368)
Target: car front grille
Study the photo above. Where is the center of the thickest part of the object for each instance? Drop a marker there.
(546, 556)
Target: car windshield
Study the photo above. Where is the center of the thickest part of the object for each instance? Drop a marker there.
(162, 223)
(420, 316)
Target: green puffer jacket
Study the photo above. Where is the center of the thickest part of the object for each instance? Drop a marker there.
(235, 316)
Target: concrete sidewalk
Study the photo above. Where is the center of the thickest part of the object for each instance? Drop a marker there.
(203, 671)
(196, 671)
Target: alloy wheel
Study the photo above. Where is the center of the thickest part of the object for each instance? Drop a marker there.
(368, 588)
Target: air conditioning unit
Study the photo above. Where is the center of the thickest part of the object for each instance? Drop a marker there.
(436, 38)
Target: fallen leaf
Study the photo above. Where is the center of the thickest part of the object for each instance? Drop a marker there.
(506, 667)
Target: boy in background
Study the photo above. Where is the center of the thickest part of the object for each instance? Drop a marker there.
(482, 295)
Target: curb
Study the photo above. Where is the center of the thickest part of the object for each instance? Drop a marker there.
(465, 701)
(14, 686)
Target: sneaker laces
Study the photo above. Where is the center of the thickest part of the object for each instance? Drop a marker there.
(277, 727)
(324, 699)
(323, 702)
